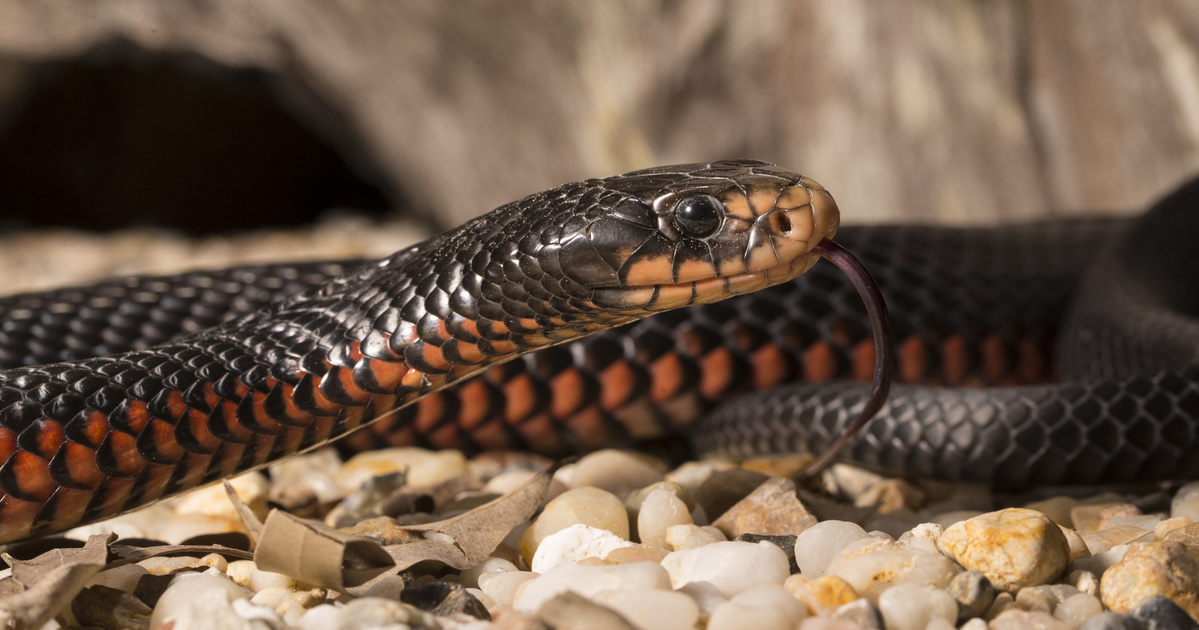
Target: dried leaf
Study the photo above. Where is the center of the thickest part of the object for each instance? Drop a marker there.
(51, 581)
(126, 554)
(469, 538)
(248, 518)
(315, 553)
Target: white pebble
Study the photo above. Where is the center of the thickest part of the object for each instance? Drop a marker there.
(653, 609)
(260, 580)
(240, 571)
(212, 500)
(470, 577)
(322, 617)
(504, 483)
(573, 544)
(766, 607)
(1014, 547)
(1186, 502)
(180, 527)
(501, 586)
(423, 468)
(615, 471)
(731, 567)
(660, 511)
(690, 536)
(589, 506)
(872, 565)
(1076, 609)
(587, 580)
(312, 474)
(913, 607)
(816, 546)
(199, 600)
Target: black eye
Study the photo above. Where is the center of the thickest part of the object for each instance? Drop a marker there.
(699, 216)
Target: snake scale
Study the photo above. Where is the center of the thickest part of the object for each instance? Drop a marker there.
(972, 307)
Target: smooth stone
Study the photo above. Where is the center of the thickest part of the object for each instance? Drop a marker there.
(913, 607)
(443, 599)
(705, 594)
(1169, 569)
(823, 595)
(765, 607)
(1014, 548)
(618, 472)
(635, 553)
(922, 537)
(772, 509)
(658, 512)
(692, 475)
(861, 612)
(421, 467)
(1113, 621)
(974, 624)
(587, 506)
(1100, 562)
(260, 580)
(816, 546)
(1161, 613)
(973, 593)
(587, 580)
(252, 488)
(1044, 598)
(731, 567)
(691, 536)
(1090, 517)
(470, 577)
(506, 482)
(1056, 508)
(1084, 581)
(288, 604)
(1015, 619)
(891, 495)
(240, 571)
(369, 613)
(724, 488)
(199, 600)
(872, 565)
(571, 611)
(653, 609)
(1077, 608)
(1101, 540)
(307, 478)
(501, 586)
(181, 527)
(322, 617)
(785, 543)
(1186, 502)
(573, 544)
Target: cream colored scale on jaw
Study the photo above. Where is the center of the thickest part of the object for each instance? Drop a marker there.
(783, 226)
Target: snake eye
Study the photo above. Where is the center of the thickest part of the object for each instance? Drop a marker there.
(699, 216)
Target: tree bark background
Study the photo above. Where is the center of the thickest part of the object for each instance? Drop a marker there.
(935, 110)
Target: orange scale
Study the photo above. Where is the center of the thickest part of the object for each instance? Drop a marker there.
(16, 517)
(124, 447)
(138, 414)
(862, 359)
(234, 426)
(32, 475)
(176, 406)
(589, 426)
(154, 480)
(114, 494)
(769, 366)
(266, 424)
(345, 377)
(81, 466)
(490, 436)
(8, 443)
(322, 427)
(444, 437)
(162, 434)
(49, 437)
(520, 395)
(229, 456)
(617, 384)
(434, 358)
(666, 377)
(819, 363)
(197, 423)
(470, 352)
(474, 403)
(388, 374)
(540, 435)
(566, 393)
(716, 373)
(955, 358)
(193, 466)
(294, 414)
(69, 507)
(912, 363)
(262, 446)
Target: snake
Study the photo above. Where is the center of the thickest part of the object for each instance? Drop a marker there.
(89, 438)
(1021, 350)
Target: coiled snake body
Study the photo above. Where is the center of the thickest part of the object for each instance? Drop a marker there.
(971, 307)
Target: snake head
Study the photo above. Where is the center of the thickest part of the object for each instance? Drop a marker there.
(681, 235)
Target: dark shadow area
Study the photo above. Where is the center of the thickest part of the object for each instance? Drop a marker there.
(121, 137)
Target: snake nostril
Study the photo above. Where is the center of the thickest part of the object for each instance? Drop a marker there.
(782, 224)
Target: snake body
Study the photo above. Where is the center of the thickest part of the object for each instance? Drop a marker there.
(971, 308)
(88, 438)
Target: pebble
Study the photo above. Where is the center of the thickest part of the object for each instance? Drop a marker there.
(1186, 534)
(772, 509)
(311, 477)
(421, 467)
(914, 607)
(1161, 613)
(872, 565)
(571, 611)
(1113, 621)
(658, 512)
(212, 500)
(731, 567)
(587, 506)
(470, 577)
(862, 612)
(691, 536)
(816, 546)
(724, 488)
(369, 613)
(1186, 502)
(1014, 548)
(1168, 569)
(616, 471)
(1101, 540)
(1015, 619)
(588, 580)
(1078, 546)
(653, 609)
(1099, 562)
(891, 495)
(572, 544)
(1056, 508)
(766, 607)
(1077, 608)
(501, 586)
(1090, 517)
(823, 595)
(973, 593)
(199, 600)
(443, 599)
